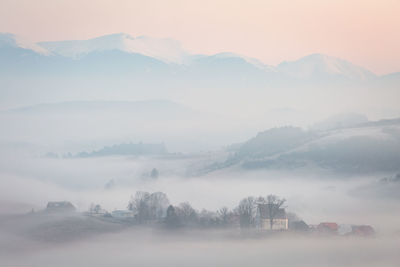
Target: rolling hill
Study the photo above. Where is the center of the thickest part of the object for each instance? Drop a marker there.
(363, 148)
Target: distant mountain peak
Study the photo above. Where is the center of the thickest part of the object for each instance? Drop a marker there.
(253, 61)
(320, 64)
(312, 68)
(12, 40)
(164, 49)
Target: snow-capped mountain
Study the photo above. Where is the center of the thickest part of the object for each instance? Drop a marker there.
(253, 61)
(315, 66)
(11, 40)
(145, 66)
(166, 50)
(318, 65)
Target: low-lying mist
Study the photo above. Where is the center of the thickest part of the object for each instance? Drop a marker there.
(315, 195)
(142, 247)
(30, 177)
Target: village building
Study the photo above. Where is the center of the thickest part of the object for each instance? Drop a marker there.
(278, 217)
(299, 226)
(328, 228)
(345, 229)
(356, 230)
(60, 206)
(362, 230)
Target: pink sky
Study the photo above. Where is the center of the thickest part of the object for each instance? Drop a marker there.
(365, 32)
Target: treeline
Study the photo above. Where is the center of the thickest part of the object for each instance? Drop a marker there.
(155, 208)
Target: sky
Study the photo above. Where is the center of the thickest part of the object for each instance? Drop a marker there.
(364, 32)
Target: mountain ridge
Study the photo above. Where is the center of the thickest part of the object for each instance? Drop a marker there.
(170, 51)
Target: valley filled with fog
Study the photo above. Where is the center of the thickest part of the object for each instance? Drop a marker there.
(91, 128)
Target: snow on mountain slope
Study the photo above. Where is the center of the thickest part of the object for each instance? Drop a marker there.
(11, 40)
(315, 67)
(318, 65)
(167, 50)
(253, 61)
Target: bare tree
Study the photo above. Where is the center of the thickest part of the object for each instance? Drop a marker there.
(208, 218)
(171, 219)
(247, 210)
(186, 213)
(158, 204)
(148, 206)
(274, 204)
(140, 205)
(224, 215)
(94, 208)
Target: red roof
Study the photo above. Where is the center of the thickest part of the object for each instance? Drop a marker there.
(363, 230)
(328, 225)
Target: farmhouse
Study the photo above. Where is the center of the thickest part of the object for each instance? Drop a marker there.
(277, 215)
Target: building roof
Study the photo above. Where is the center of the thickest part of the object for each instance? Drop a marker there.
(329, 226)
(363, 230)
(299, 226)
(263, 210)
